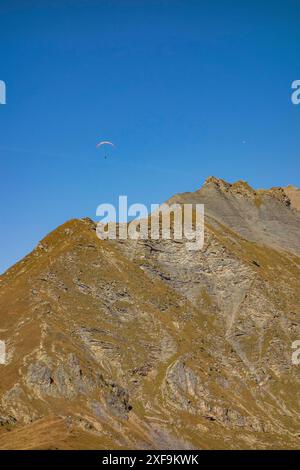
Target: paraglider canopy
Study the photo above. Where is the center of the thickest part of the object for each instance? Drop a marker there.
(105, 142)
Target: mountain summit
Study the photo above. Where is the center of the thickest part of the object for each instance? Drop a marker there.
(268, 217)
(142, 344)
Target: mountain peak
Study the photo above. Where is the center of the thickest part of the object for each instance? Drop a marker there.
(238, 187)
(216, 181)
(264, 216)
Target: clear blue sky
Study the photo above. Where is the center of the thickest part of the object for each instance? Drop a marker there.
(185, 88)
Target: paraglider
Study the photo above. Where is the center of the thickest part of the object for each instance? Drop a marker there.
(105, 142)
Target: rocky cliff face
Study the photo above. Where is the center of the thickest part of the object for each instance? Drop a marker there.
(144, 344)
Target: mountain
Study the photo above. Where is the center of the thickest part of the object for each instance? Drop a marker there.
(138, 344)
